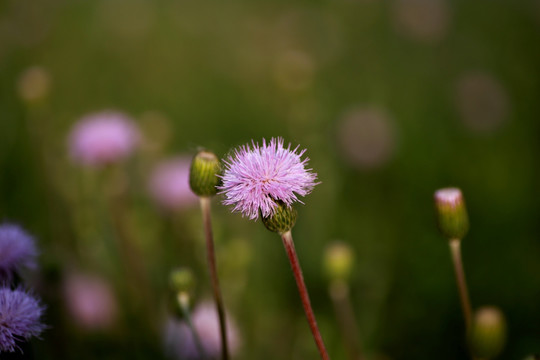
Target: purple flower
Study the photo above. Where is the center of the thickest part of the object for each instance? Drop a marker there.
(17, 250)
(103, 138)
(20, 316)
(254, 178)
(169, 184)
(181, 344)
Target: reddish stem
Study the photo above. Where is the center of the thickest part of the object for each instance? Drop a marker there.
(455, 247)
(207, 222)
(304, 296)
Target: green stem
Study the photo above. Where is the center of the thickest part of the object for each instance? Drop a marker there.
(197, 339)
(207, 223)
(304, 296)
(339, 293)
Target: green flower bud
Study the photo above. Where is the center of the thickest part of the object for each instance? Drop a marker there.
(451, 213)
(203, 175)
(533, 357)
(282, 220)
(338, 261)
(182, 280)
(181, 285)
(488, 333)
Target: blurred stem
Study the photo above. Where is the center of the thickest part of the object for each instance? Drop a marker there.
(187, 316)
(455, 248)
(136, 276)
(304, 296)
(207, 223)
(339, 293)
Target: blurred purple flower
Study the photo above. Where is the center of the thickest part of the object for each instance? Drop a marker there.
(90, 301)
(179, 339)
(17, 250)
(169, 184)
(103, 138)
(20, 316)
(254, 178)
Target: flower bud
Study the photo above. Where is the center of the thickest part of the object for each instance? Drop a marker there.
(181, 285)
(451, 213)
(203, 176)
(338, 261)
(488, 333)
(182, 280)
(533, 357)
(282, 220)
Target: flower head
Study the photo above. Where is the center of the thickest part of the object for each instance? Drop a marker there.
(256, 177)
(17, 250)
(169, 184)
(20, 316)
(181, 344)
(103, 138)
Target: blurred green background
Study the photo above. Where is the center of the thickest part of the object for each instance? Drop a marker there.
(392, 100)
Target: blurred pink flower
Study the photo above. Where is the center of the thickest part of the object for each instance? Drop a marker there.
(90, 301)
(103, 138)
(482, 102)
(366, 137)
(169, 184)
(179, 339)
(425, 21)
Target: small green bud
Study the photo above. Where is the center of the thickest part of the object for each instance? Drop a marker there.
(181, 285)
(533, 357)
(282, 220)
(182, 280)
(488, 333)
(451, 213)
(338, 261)
(203, 175)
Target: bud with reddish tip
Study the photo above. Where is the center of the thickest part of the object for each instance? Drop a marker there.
(451, 213)
(203, 176)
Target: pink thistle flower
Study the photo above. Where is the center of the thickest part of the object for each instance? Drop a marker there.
(169, 184)
(258, 176)
(103, 138)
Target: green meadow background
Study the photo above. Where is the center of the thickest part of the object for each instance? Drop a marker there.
(391, 99)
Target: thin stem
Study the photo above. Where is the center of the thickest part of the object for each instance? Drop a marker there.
(455, 248)
(339, 293)
(304, 296)
(187, 316)
(207, 222)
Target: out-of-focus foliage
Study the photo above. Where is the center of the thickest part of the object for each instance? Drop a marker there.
(392, 100)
